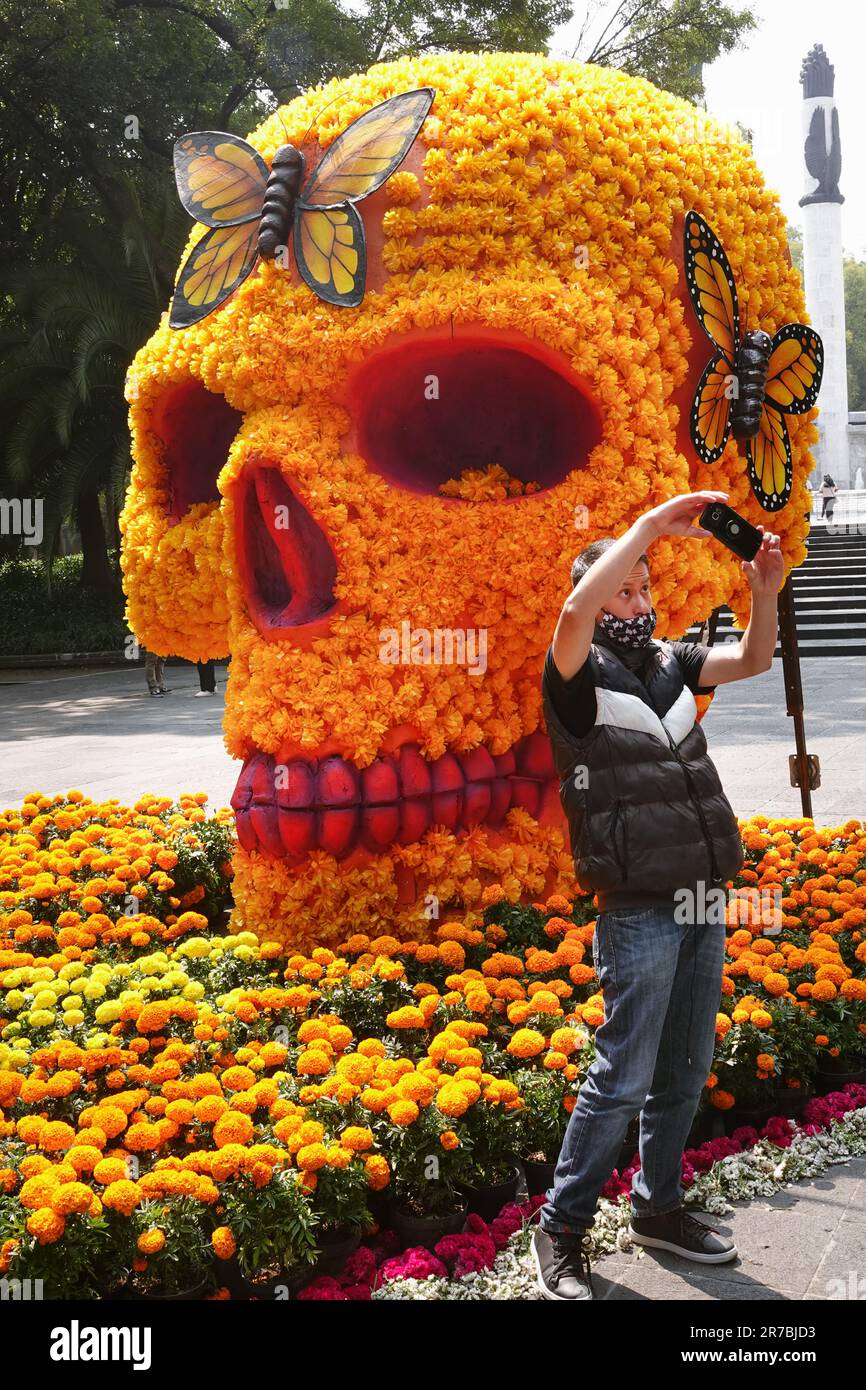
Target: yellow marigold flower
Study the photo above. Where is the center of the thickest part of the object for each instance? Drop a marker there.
(761, 1019)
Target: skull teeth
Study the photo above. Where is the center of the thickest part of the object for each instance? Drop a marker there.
(285, 810)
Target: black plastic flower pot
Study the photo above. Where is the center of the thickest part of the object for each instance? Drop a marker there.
(488, 1199)
(426, 1230)
(539, 1175)
(336, 1247)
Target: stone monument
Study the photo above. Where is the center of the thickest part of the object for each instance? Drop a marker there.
(822, 259)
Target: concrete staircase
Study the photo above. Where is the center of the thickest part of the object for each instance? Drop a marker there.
(829, 596)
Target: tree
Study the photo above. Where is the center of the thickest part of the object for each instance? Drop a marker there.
(795, 246)
(855, 332)
(63, 362)
(94, 93)
(666, 41)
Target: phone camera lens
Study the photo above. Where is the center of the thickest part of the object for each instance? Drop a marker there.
(733, 528)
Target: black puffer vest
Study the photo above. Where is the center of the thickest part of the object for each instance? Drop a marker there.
(645, 807)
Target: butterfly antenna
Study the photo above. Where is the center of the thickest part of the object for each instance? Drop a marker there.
(312, 122)
(320, 110)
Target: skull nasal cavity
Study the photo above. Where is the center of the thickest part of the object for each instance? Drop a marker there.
(286, 561)
(426, 411)
(196, 428)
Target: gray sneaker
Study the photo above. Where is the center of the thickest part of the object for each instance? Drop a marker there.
(679, 1232)
(562, 1265)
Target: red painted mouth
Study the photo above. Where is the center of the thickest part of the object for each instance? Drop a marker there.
(285, 810)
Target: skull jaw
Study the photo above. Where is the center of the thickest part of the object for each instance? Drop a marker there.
(289, 810)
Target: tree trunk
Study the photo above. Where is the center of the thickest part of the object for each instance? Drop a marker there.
(96, 569)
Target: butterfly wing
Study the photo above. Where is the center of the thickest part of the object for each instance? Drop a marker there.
(709, 421)
(770, 465)
(331, 252)
(710, 284)
(795, 369)
(214, 268)
(221, 180)
(369, 150)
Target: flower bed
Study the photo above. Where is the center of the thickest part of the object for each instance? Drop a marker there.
(175, 1099)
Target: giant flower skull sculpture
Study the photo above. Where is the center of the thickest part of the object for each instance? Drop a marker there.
(374, 509)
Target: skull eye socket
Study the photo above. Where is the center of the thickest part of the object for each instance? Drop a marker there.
(196, 428)
(426, 411)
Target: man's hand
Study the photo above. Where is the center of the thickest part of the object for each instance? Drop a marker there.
(765, 572)
(675, 517)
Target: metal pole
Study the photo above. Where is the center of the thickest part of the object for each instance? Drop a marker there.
(794, 690)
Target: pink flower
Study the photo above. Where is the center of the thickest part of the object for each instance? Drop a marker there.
(414, 1263)
(360, 1267)
(324, 1289)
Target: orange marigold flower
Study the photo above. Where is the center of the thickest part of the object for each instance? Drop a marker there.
(223, 1242)
(151, 1242)
(403, 1112)
(46, 1225)
(526, 1042)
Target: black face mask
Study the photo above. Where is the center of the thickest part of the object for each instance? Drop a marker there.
(629, 637)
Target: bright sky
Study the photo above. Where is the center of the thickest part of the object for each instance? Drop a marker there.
(759, 85)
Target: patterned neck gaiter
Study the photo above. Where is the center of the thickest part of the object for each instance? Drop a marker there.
(628, 632)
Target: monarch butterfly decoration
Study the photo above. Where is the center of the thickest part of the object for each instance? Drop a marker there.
(772, 377)
(252, 211)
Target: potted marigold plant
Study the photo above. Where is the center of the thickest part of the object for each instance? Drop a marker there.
(840, 1043)
(744, 1090)
(50, 1242)
(489, 1132)
(423, 1151)
(548, 1082)
(173, 1258)
(273, 1227)
(341, 1203)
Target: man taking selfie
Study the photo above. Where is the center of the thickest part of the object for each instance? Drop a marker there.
(651, 829)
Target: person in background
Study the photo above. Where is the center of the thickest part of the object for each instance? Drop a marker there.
(828, 495)
(206, 678)
(154, 670)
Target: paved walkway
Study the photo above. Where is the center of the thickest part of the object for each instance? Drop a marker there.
(823, 1240)
(99, 731)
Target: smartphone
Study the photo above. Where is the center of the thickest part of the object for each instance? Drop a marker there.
(731, 529)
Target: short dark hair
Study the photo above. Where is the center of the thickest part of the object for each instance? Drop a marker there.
(594, 552)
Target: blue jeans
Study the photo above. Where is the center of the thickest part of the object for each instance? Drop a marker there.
(653, 971)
